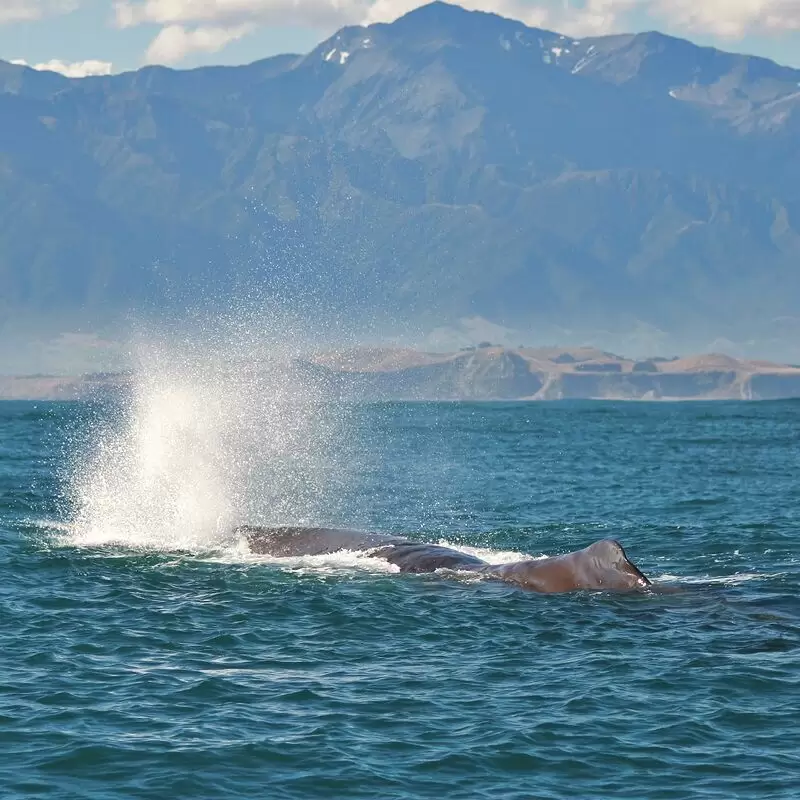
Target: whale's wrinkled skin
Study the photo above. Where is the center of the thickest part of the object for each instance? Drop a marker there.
(602, 566)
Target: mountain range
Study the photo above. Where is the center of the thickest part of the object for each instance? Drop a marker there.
(470, 374)
(449, 165)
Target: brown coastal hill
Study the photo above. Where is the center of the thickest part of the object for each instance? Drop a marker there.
(551, 373)
(490, 373)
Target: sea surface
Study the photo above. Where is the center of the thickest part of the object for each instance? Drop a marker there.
(146, 654)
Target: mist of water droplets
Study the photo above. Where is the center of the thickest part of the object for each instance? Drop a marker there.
(210, 434)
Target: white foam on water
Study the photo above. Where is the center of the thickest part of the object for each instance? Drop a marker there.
(726, 580)
(347, 560)
(489, 555)
(338, 563)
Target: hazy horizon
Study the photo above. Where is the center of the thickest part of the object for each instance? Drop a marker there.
(73, 352)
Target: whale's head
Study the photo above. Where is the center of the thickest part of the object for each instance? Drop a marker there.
(609, 558)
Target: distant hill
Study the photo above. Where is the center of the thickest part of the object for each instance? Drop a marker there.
(496, 373)
(449, 164)
(485, 373)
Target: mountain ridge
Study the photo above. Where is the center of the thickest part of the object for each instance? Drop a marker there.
(450, 164)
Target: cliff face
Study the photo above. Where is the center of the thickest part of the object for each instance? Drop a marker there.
(473, 376)
(630, 386)
(491, 373)
(773, 386)
(558, 374)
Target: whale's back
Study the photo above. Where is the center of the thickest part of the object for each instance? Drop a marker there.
(602, 565)
(299, 541)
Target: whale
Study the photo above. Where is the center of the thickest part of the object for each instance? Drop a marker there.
(601, 566)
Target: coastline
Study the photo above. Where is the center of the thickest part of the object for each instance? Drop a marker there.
(483, 374)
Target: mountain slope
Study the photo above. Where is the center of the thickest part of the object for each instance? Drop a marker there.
(451, 163)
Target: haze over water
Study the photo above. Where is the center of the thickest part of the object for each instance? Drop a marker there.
(147, 654)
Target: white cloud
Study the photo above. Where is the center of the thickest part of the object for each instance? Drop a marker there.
(575, 17)
(589, 15)
(231, 13)
(209, 25)
(319, 14)
(175, 42)
(732, 19)
(597, 17)
(26, 10)
(75, 69)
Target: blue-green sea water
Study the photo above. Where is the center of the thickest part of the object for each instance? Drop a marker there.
(142, 658)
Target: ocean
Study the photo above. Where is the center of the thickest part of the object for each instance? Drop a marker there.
(147, 654)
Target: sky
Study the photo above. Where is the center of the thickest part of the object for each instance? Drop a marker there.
(81, 37)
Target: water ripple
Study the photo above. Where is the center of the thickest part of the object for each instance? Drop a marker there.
(146, 672)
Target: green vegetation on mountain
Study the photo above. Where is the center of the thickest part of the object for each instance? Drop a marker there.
(451, 163)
